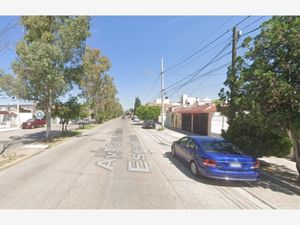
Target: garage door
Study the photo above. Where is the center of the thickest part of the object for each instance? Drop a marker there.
(200, 124)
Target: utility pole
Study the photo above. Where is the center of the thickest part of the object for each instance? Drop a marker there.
(234, 46)
(232, 76)
(162, 92)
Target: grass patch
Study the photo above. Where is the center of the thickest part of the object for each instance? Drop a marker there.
(161, 129)
(62, 136)
(86, 127)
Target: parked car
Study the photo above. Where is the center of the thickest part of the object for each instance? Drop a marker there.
(216, 158)
(33, 123)
(136, 119)
(149, 124)
(87, 121)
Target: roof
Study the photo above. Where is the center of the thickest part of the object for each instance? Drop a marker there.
(198, 109)
(4, 112)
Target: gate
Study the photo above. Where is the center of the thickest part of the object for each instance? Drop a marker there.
(200, 124)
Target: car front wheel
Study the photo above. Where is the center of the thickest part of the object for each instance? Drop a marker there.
(194, 168)
(173, 152)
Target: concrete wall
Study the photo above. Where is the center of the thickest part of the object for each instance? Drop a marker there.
(24, 117)
(218, 122)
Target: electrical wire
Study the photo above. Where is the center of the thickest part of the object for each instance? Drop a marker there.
(251, 31)
(193, 75)
(258, 19)
(195, 47)
(154, 85)
(177, 88)
(205, 53)
(206, 46)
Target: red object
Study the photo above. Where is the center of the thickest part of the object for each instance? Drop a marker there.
(256, 166)
(198, 109)
(33, 123)
(209, 162)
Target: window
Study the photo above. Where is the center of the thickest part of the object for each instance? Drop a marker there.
(191, 144)
(220, 146)
(183, 141)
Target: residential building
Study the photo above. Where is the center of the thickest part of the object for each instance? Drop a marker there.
(10, 116)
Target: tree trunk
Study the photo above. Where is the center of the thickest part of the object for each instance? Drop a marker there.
(62, 127)
(49, 108)
(296, 149)
(66, 126)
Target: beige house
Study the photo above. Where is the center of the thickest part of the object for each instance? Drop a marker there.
(194, 119)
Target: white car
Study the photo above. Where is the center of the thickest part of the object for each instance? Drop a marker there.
(136, 119)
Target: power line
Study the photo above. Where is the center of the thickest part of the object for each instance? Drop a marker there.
(210, 43)
(205, 53)
(192, 75)
(176, 89)
(253, 22)
(192, 49)
(251, 31)
(154, 85)
(205, 78)
(242, 21)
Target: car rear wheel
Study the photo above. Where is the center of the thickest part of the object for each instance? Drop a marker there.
(194, 168)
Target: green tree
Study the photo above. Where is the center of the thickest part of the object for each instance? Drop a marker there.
(98, 87)
(49, 57)
(66, 111)
(137, 103)
(94, 67)
(146, 112)
(268, 88)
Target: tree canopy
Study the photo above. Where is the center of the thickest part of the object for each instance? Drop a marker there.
(49, 57)
(266, 103)
(146, 112)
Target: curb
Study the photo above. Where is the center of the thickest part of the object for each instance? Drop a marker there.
(6, 166)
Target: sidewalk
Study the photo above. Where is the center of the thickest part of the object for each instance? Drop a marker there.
(8, 129)
(26, 145)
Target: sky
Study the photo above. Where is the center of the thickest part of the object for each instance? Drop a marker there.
(136, 44)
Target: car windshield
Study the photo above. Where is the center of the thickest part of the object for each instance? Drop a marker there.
(220, 146)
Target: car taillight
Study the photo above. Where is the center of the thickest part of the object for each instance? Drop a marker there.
(209, 162)
(256, 165)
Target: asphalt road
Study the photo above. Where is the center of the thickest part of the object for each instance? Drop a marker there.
(119, 165)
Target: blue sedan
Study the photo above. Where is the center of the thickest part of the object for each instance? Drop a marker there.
(216, 158)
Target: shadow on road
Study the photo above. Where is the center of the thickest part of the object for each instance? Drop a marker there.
(137, 124)
(264, 182)
(38, 136)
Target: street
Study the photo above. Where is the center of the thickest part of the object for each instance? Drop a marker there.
(119, 165)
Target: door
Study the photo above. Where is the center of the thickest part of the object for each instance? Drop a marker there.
(187, 122)
(191, 150)
(180, 147)
(200, 124)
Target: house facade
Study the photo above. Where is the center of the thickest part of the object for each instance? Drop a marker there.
(10, 116)
(194, 119)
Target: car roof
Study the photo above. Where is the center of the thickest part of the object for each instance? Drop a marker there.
(200, 139)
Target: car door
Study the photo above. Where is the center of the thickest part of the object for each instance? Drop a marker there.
(191, 150)
(180, 147)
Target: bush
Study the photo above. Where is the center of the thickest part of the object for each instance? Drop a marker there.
(257, 138)
(146, 112)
